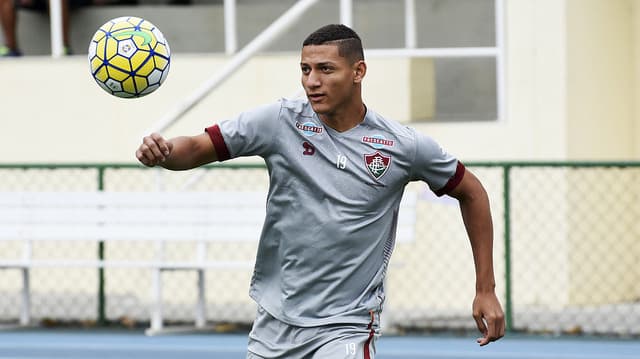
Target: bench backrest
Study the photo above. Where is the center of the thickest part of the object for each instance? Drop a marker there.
(210, 216)
(226, 216)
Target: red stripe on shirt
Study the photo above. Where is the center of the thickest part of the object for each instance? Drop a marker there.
(453, 181)
(218, 142)
(367, 354)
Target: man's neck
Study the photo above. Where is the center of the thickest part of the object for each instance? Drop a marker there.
(346, 120)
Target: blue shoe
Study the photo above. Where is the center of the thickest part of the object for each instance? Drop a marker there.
(7, 52)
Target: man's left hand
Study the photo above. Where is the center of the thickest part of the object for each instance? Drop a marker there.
(489, 317)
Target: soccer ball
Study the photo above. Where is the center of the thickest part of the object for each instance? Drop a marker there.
(129, 57)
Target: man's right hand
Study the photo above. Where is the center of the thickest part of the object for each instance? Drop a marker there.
(154, 150)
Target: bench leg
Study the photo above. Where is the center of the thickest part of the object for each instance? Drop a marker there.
(201, 311)
(25, 309)
(156, 308)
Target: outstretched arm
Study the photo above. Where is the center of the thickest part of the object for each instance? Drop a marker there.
(179, 153)
(476, 214)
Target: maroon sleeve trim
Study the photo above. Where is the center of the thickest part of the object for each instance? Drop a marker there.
(218, 142)
(453, 181)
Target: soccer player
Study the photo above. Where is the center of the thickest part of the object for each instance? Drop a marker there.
(337, 172)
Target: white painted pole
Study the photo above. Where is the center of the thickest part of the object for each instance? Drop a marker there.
(55, 16)
(230, 27)
(410, 38)
(346, 12)
(260, 42)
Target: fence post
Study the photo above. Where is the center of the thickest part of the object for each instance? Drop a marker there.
(507, 245)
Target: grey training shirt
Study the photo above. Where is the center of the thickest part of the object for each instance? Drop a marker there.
(332, 206)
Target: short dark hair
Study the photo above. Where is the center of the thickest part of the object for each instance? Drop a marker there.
(347, 40)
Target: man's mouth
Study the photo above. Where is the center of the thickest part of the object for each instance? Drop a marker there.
(315, 97)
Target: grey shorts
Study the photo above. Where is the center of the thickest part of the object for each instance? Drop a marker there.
(270, 338)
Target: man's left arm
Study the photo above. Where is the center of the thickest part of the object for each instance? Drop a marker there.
(476, 214)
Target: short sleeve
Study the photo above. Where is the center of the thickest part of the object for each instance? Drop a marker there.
(252, 133)
(432, 164)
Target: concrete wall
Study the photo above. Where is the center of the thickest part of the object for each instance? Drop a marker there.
(570, 69)
(536, 124)
(602, 122)
(465, 88)
(600, 79)
(635, 75)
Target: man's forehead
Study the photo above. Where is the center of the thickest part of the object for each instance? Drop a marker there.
(321, 53)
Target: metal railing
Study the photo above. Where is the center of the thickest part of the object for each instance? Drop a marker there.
(260, 42)
(291, 16)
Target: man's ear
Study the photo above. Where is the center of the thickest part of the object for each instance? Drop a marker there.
(359, 71)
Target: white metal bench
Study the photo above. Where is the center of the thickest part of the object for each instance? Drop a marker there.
(113, 216)
(154, 216)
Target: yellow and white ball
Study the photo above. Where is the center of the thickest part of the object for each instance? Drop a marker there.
(129, 57)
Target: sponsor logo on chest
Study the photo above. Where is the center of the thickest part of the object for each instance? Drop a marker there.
(309, 128)
(377, 141)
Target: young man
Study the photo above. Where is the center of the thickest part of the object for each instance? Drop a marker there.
(337, 173)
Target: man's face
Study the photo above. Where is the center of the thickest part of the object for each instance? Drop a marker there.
(327, 78)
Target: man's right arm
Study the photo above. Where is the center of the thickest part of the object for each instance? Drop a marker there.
(179, 153)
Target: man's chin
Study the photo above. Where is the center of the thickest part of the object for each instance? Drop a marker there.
(319, 109)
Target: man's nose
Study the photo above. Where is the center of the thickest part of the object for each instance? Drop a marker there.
(312, 79)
